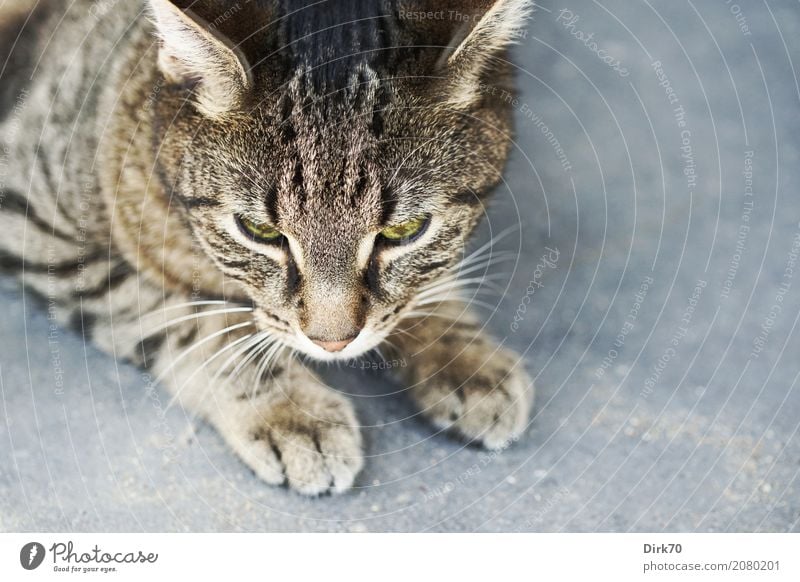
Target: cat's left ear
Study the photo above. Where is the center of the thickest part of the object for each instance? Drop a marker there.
(194, 54)
(489, 27)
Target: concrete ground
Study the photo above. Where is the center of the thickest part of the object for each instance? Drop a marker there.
(663, 338)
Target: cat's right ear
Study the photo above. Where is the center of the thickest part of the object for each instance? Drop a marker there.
(480, 31)
(193, 54)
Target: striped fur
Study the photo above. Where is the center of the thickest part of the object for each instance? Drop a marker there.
(133, 134)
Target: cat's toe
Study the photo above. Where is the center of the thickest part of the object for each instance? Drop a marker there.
(320, 459)
(481, 409)
(261, 455)
(311, 451)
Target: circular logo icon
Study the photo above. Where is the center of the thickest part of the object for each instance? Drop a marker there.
(31, 555)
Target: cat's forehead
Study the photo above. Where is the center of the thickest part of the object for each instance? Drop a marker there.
(350, 113)
(327, 156)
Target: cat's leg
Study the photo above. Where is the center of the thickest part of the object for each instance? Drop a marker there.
(462, 380)
(299, 432)
(280, 419)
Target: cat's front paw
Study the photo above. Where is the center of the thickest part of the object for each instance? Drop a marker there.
(486, 402)
(308, 440)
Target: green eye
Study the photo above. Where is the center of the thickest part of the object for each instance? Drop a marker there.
(258, 231)
(406, 231)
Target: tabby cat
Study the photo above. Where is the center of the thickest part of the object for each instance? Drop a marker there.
(211, 189)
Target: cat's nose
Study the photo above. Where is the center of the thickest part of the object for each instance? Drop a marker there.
(334, 346)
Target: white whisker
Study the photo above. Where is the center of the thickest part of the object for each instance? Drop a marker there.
(218, 353)
(196, 345)
(483, 263)
(187, 304)
(393, 346)
(456, 298)
(378, 351)
(191, 316)
(411, 314)
(266, 363)
(495, 239)
(456, 284)
(405, 332)
(262, 345)
(166, 308)
(252, 343)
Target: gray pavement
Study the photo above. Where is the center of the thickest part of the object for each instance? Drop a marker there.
(663, 339)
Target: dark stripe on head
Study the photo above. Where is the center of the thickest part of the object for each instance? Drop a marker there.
(372, 277)
(388, 205)
(427, 268)
(198, 202)
(382, 101)
(394, 312)
(334, 38)
(271, 205)
(287, 130)
(275, 318)
(468, 197)
(234, 264)
(293, 277)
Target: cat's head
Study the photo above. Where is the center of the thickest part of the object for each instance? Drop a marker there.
(333, 157)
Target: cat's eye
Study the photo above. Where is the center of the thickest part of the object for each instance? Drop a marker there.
(407, 231)
(258, 231)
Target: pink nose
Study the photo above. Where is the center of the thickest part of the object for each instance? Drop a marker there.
(334, 346)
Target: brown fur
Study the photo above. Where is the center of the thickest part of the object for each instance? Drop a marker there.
(137, 152)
